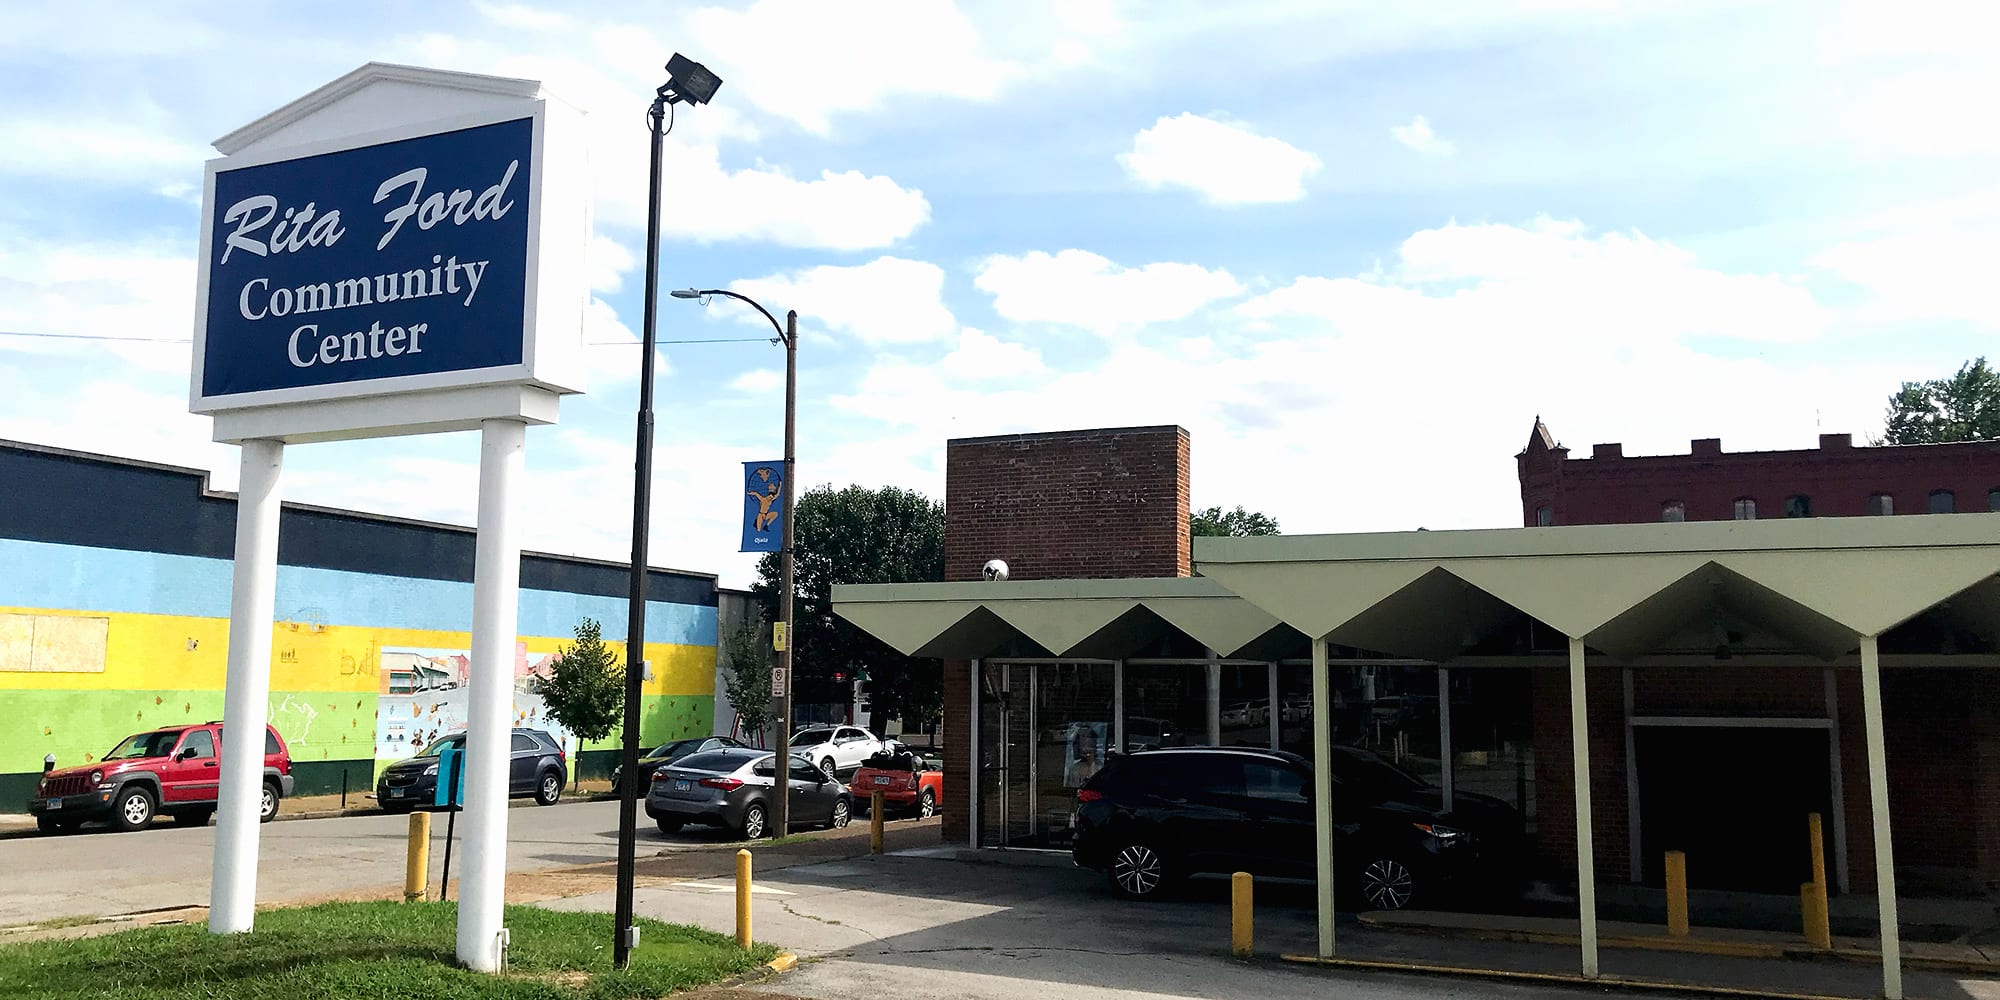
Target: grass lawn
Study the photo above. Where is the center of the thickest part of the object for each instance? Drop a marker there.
(371, 950)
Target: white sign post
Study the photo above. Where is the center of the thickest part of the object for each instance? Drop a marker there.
(397, 252)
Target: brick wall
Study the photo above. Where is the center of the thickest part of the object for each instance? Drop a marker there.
(1069, 505)
(1065, 505)
(1610, 487)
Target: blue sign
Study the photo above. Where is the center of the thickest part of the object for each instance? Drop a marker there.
(402, 258)
(450, 793)
(763, 506)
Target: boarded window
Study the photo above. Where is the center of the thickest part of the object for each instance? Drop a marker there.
(1746, 509)
(67, 644)
(1942, 502)
(1881, 504)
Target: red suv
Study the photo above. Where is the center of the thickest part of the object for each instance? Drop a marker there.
(176, 771)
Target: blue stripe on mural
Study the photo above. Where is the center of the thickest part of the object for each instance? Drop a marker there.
(73, 577)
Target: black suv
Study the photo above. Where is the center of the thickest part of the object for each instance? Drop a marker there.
(537, 766)
(1154, 816)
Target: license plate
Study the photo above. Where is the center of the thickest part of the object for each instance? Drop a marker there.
(682, 785)
(397, 793)
(55, 803)
(883, 779)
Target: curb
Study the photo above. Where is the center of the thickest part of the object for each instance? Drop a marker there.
(1693, 946)
(1566, 979)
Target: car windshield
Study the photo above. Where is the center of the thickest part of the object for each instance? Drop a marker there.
(145, 745)
(666, 750)
(812, 737)
(437, 746)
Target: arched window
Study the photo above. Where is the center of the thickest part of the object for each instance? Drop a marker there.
(1993, 499)
(1943, 502)
(1798, 505)
(1673, 510)
(1544, 517)
(1881, 504)
(1746, 509)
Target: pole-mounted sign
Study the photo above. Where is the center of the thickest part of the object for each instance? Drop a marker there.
(398, 252)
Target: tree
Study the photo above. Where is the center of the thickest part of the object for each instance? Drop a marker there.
(748, 677)
(1234, 524)
(1964, 407)
(585, 689)
(858, 535)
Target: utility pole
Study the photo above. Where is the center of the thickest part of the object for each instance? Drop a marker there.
(786, 562)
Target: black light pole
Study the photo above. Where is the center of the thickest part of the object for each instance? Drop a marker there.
(691, 82)
(788, 335)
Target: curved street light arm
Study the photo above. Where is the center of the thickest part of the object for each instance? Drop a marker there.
(754, 304)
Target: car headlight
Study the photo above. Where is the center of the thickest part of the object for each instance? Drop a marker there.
(97, 777)
(431, 770)
(1444, 834)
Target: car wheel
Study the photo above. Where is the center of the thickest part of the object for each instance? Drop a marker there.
(549, 790)
(671, 825)
(827, 766)
(753, 821)
(195, 817)
(927, 804)
(842, 813)
(133, 809)
(1138, 872)
(267, 807)
(1388, 883)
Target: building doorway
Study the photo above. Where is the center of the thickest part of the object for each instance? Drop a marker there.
(1734, 796)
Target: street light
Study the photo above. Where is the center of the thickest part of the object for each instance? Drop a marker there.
(687, 82)
(788, 335)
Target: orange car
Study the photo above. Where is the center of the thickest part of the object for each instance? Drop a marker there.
(909, 781)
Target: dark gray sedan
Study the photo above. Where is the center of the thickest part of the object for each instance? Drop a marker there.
(732, 789)
(537, 766)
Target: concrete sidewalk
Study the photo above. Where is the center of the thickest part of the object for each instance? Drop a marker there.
(1966, 958)
(942, 922)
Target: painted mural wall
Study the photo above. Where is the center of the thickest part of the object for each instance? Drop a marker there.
(99, 641)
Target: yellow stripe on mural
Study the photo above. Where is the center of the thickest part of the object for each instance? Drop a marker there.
(169, 652)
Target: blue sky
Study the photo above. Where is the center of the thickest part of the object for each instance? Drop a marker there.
(1354, 248)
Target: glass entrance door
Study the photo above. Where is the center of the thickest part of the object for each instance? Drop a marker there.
(1044, 730)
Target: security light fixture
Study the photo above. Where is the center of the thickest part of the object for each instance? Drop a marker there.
(685, 293)
(690, 81)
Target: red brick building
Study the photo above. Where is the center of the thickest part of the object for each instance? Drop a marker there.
(1943, 723)
(1837, 479)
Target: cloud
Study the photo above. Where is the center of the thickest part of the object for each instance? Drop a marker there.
(758, 381)
(1418, 136)
(981, 357)
(1933, 273)
(609, 69)
(1225, 162)
(889, 300)
(1080, 288)
(1464, 282)
(607, 260)
(521, 16)
(1426, 372)
(101, 150)
(815, 59)
(139, 289)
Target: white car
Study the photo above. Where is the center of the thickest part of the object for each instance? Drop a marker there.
(836, 749)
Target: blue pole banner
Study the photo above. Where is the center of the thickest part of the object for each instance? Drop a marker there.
(450, 793)
(763, 506)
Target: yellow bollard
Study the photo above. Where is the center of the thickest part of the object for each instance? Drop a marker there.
(1818, 921)
(743, 900)
(1239, 915)
(1813, 912)
(875, 810)
(417, 869)
(1677, 894)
